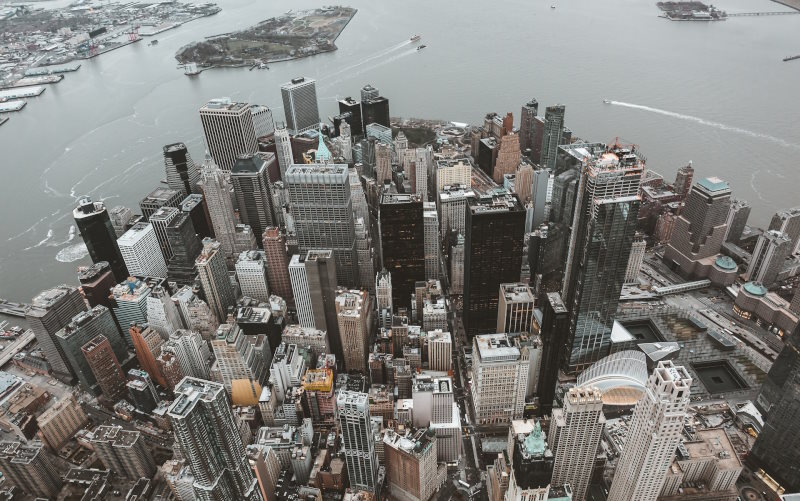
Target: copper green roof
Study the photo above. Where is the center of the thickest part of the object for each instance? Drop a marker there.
(725, 263)
(755, 288)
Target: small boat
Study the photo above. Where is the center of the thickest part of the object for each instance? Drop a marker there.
(552, 6)
(421, 47)
(606, 101)
(415, 38)
(154, 42)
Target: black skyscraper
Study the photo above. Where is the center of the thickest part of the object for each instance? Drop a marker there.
(375, 111)
(250, 178)
(182, 173)
(402, 233)
(495, 225)
(777, 448)
(349, 104)
(96, 282)
(554, 333)
(195, 206)
(95, 227)
(186, 246)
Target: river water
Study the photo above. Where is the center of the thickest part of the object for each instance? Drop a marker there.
(714, 93)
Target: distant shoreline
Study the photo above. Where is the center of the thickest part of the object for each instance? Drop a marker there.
(794, 4)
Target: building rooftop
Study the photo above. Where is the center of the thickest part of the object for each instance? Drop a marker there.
(318, 380)
(496, 348)
(115, 435)
(517, 293)
(223, 104)
(190, 391)
(713, 184)
(755, 289)
(248, 164)
(713, 443)
(134, 234)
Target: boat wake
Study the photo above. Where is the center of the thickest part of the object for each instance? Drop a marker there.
(380, 53)
(378, 64)
(41, 242)
(72, 253)
(709, 123)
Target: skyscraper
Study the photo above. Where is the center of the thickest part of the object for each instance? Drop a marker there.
(778, 401)
(553, 128)
(130, 302)
(283, 144)
(526, 126)
(440, 350)
(769, 256)
(700, 229)
(207, 434)
(788, 221)
(350, 105)
(214, 278)
(495, 227)
(602, 234)
(240, 356)
(457, 265)
(147, 344)
(124, 452)
(250, 178)
(431, 224)
(228, 129)
(574, 437)
(554, 333)
(508, 157)
(737, 219)
(159, 198)
(105, 367)
(635, 259)
(515, 308)
(402, 231)
(98, 234)
(262, 120)
(357, 438)
(160, 219)
(185, 246)
(277, 262)
(31, 468)
(251, 272)
(162, 313)
(96, 280)
(216, 190)
(383, 296)
(301, 291)
(300, 104)
(321, 274)
(374, 107)
(683, 180)
(50, 311)
(141, 251)
(383, 164)
(654, 433)
(83, 328)
(182, 172)
(411, 467)
(353, 311)
(191, 351)
(323, 214)
(499, 378)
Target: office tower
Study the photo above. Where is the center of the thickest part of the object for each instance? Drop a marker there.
(683, 180)
(526, 124)
(287, 369)
(141, 251)
(83, 328)
(769, 256)
(185, 246)
(700, 229)
(147, 344)
(553, 128)
(353, 310)
(402, 231)
(366, 254)
(383, 164)
(216, 188)
(457, 266)
(788, 221)
(141, 391)
(214, 278)
(300, 104)
(574, 436)
(636, 258)
(440, 350)
(123, 452)
(602, 235)
(98, 234)
(431, 240)
(350, 105)
(492, 255)
(160, 219)
(30, 468)
(539, 198)
(515, 308)
(779, 403)
(499, 378)
(250, 179)
(159, 198)
(709, 461)
(523, 182)
(323, 214)
(96, 280)
(277, 262)
(251, 272)
(321, 274)
(195, 207)
(191, 351)
(240, 356)
(380, 133)
(737, 219)
(195, 313)
(228, 130)
(243, 239)
(182, 173)
(121, 218)
(554, 334)
(130, 303)
(283, 144)
(263, 124)
(654, 433)
(105, 367)
(531, 458)
(357, 439)
(207, 434)
(162, 314)
(411, 467)
(508, 157)
(450, 172)
(374, 107)
(301, 292)
(59, 423)
(423, 165)
(383, 297)
(267, 468)
(50, 311)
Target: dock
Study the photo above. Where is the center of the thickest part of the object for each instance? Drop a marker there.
(3, 120)
(22, 92)
(780, 13)
(37, 72)
(35, 80)
(13, 309)
(10, 106)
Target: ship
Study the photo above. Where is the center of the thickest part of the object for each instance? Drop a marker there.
(154, 42)
(606, 101)
(791, 58)
(190, 69)
(552, 6)
(415, 38)
(421, 47)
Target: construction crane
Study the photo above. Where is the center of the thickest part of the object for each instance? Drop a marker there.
(133, 33)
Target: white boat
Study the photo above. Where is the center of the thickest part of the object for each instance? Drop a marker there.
(415, 38)
(606, 101)
(552, 6)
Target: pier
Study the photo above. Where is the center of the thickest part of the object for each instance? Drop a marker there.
(10, 106)
(37, 72)
(21, 92)
(13, 309)
(781, 13)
